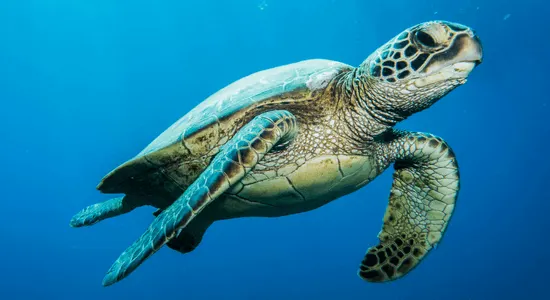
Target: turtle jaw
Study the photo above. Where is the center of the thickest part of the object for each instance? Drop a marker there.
(456, 72)
(455, 64)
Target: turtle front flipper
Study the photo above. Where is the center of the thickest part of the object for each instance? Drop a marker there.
(424, 191)
(235, 159)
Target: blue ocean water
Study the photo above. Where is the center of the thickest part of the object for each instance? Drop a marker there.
(85, 85)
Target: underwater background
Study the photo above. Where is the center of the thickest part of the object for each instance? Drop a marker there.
(85, 85)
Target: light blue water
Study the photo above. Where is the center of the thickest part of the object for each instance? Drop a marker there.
(85, 85)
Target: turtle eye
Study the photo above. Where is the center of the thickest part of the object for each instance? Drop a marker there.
(425, 39)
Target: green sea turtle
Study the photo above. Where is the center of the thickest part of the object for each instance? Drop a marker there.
(292, 138)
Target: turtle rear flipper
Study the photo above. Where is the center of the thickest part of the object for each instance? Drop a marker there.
(190, 237)
(424, 191)
(104, 210)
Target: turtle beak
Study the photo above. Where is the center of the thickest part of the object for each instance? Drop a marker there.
(463, 55)
(479, 50)
(471, 49)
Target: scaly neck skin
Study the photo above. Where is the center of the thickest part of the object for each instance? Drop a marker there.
(365, 105)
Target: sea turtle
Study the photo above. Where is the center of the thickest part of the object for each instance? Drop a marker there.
(292, 138)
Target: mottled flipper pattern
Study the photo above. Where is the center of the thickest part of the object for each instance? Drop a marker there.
(235, 159)
(424, 191)
(101, 211)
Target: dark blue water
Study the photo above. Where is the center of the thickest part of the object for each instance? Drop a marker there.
(85, 85)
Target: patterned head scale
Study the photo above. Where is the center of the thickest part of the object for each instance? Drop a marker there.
(423, 49)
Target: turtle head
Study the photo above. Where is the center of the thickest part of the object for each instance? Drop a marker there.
(420, 65)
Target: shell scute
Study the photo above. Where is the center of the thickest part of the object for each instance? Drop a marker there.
(219, 116)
